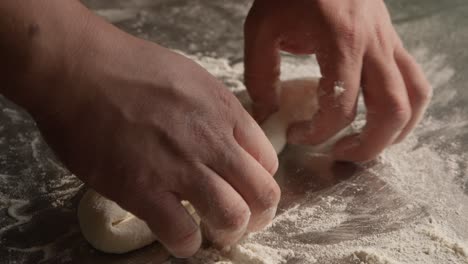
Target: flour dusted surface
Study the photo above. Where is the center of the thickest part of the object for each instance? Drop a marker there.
(406, 207)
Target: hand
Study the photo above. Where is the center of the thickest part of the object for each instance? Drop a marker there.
(148, 128)
(355, 45)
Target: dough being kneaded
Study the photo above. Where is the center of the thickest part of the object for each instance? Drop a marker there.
(297, 102)
(111, 229)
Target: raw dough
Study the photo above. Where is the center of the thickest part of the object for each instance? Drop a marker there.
(298, 102)
(109, 228)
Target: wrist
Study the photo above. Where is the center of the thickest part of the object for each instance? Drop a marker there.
(41, 44)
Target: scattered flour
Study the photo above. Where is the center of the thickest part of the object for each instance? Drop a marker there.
(338, 88)
(258, 254)
(14, 115)
(406, 207)
(15, 208)
(34, 148)
(370, 257)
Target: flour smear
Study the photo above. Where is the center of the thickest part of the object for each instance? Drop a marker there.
(408, 206)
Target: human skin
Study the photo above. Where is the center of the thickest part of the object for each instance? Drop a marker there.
(147, 127)
(356, 46)
(142, 125)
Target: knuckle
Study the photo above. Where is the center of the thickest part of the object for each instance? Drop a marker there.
(273, 165)
(226, 98)
(347, 114)
(353, 40)
(224, 155)
(399, 113)
(423, 95)
(268, 199)
(383, 42)
(236, 219)
(382, 37)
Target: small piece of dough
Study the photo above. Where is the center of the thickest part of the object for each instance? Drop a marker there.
(109, 228)
(298, 102)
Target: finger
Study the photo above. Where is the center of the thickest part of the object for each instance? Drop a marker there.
(170, 222)
(223, 212)
(388, 111)
(252, 139)
(419, 89)
(262, 65)
(337, 94)
(253, 182)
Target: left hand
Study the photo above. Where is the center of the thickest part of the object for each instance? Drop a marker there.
(355, 45)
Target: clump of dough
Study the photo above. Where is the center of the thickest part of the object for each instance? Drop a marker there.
(109, 228)
(298, 102)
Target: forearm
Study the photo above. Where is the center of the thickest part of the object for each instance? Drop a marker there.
(38, 39)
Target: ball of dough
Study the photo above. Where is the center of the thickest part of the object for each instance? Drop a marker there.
(297, 102)
(109, 228)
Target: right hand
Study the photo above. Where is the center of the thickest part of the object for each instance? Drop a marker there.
(147, 128)
(356, 46)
